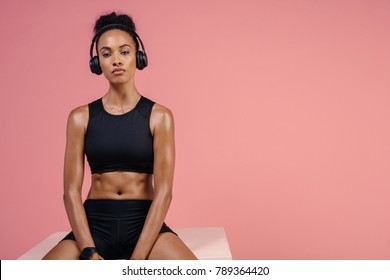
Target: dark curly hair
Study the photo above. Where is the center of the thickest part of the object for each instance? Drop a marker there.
(113, 18)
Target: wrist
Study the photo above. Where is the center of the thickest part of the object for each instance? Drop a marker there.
(87, 253)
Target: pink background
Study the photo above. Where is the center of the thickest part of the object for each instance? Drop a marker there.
(281, 110)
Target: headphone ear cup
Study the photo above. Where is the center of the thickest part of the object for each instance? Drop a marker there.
(141, 60)
(94, 65)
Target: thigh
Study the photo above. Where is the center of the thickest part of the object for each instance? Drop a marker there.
(64, 250)
(169, 246)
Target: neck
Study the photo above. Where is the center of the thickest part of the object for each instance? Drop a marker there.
(122, 94)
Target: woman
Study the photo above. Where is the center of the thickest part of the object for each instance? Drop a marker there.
(129, 143)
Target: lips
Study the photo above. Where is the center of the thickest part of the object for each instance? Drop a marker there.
(118, 70)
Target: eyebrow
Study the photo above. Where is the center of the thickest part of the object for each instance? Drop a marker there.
(108, 48)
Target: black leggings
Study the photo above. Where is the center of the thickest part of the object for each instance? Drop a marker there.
(116, 225)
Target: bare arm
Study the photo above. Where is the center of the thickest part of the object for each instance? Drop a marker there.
(164, 161)
(74, 175)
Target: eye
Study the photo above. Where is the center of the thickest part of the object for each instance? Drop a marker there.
(106, 54)
(125, 52)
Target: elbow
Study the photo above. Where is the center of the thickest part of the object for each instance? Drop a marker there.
(71, 196)
(165, 196)
(169, 197)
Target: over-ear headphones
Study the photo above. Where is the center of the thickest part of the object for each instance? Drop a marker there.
(141, 58)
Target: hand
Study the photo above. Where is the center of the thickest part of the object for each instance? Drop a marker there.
(96, 256)
(137, 257)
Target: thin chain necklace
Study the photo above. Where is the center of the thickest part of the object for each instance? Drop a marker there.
(122, 110)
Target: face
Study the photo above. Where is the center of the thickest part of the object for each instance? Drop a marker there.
(116, 49)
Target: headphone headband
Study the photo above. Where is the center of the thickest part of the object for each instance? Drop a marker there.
(141, 58)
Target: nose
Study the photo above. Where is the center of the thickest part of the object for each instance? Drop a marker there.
(117, 60)
(117, 63)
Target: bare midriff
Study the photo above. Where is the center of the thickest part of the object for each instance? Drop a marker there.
(121, 185)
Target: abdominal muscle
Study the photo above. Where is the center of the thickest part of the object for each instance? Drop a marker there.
(121, 185)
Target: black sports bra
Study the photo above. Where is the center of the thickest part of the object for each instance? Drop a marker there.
(119, 142)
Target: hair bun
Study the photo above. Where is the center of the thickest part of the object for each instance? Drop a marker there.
(113, 18)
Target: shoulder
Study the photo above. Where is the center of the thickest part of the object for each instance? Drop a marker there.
(78, 117)
(161, 117)
(161, 112)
